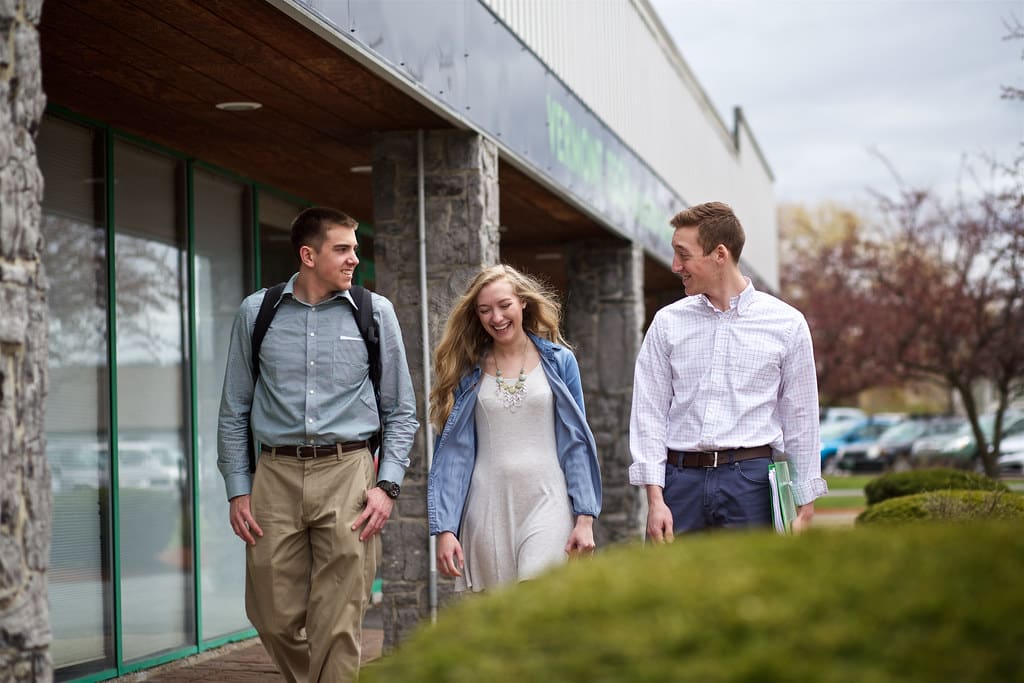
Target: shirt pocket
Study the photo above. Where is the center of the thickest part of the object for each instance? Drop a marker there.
(758, 368)
(350, 362)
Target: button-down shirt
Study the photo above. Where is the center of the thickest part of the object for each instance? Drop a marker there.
(709, 380)
(314, 385)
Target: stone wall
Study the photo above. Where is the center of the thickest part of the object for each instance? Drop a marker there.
(461, 203)
(24, 478)
(604, 314)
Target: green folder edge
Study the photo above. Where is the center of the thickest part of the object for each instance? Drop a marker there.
(782, 496)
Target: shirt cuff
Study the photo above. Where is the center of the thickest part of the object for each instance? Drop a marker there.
(238, 485)
(805, 492)
(644, 473)
(390, 471)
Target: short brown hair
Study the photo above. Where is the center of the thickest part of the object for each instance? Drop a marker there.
(716, 224)
(309, 228)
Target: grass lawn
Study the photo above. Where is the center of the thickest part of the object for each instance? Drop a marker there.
(843, 502)
(853, 481)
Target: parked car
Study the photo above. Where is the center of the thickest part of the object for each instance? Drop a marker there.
(1011, 460)
(74, 468)
(149, 465)
(959, 448)
(840, 414)
(895, 442)
(141, 465)
(846, 432)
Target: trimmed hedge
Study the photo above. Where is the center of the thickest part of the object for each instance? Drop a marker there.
(946, 506)
(915, 603)
(898, 484)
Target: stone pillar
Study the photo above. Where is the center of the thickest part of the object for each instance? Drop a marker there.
(461, 198)
(25, 500)
(604, 315)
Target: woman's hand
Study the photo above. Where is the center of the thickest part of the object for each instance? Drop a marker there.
(449, 555)
(581, 540)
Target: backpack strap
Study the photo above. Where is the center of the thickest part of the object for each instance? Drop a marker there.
(259, 330)
(370, 332)
(267, 310)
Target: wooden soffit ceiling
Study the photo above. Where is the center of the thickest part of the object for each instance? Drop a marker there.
(157, 70)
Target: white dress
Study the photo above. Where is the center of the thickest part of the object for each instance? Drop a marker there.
(518, 515)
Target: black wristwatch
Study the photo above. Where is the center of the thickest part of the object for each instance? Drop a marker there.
(389, 487)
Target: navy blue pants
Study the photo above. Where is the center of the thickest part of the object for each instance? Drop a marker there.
(732, 495)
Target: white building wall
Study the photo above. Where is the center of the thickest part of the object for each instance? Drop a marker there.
(617, 57)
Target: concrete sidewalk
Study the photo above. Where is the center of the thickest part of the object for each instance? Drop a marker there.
(244, 661)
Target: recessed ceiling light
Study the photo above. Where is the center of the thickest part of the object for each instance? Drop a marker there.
(238, 106)
(361, 169)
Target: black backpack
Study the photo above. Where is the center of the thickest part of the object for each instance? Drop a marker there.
(368, 329)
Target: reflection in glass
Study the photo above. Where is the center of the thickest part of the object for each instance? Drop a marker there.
(77, 416)
(278, 261)
(222, 279)
(151, 277)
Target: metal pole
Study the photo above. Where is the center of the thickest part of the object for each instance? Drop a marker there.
(428, 441)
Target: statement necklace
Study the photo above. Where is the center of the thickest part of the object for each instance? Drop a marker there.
(511, 394)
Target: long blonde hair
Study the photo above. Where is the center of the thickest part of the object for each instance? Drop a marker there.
(465, 340)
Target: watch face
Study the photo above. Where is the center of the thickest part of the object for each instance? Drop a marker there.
(390, 488)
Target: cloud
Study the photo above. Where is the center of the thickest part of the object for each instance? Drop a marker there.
(824, 83)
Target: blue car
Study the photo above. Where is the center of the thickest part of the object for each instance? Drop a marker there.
(838, 434)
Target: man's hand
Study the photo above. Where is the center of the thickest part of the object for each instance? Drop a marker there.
(581, 540)
(242, 521)
(375, 514)
(450, 561)
(804, 515)
(659, 517)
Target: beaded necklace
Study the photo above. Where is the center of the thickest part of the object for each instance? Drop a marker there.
(511, 394)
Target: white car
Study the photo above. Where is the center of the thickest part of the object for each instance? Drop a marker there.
(1012, 459)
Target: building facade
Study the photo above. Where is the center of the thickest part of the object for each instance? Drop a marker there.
(180, 139)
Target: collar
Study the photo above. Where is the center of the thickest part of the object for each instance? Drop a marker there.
(544, 347)
(740, 303)
(289, 289)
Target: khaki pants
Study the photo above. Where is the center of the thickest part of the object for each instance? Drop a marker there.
(308, 578)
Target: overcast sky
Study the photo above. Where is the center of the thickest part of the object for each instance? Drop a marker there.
(824, 82)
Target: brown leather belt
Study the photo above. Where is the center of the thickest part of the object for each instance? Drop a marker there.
(306, 452)
(716, 458)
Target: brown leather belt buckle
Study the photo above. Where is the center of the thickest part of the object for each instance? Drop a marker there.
(310, 447)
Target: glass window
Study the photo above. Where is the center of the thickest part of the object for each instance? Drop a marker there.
(278, 261)
(151, 285)
(77, 406)
(223, 268)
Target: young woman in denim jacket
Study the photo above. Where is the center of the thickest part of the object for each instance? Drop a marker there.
(515, 485)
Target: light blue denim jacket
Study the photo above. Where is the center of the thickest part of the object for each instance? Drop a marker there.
(455, 446)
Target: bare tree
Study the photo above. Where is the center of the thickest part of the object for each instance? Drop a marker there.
(948, 276)
(822, 250)
(1014, 31)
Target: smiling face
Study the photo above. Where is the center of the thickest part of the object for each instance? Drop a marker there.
(333, 265)
(500, 312)
(697, 270)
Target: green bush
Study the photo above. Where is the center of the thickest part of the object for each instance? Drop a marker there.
(898, 484)
(946, 506)
(917, 603)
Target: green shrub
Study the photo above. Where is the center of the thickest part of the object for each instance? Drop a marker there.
(898, 484)
(917, 603)
(946, 506)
